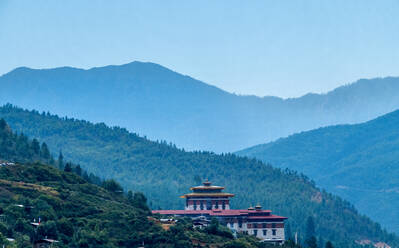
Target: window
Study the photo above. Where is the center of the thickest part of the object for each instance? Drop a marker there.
(223, 205)
(274, 232)
(232, 225)
(195, 206)
(263, 225)
(201, 205)
(255, 232)
(240, 224)
(217, 205)
(264, 232)
(209, 205)
(273, 225)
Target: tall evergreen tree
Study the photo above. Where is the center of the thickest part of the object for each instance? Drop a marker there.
(86, 176)
(68, 167)
(78, 170)
(3, 124)
(329, 245)
(36, 147)
(197, 180)
(130, 196)
(61, 161)
(310, 228)
(321, 242)
(288, 231)
(44, 152)
(310, 241)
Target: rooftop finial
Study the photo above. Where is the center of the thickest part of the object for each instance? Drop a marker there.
(207, 183)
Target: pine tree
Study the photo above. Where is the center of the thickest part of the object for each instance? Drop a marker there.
(3, 124)
(36, 147)
(321, 242)
(86, 176)
(329, 245)
(61, 161)
(288, 232)
(68, 167)
(130, 196)
(197, 180)
(78, 170)
(310, 241)
(310, 228)
(44, 152)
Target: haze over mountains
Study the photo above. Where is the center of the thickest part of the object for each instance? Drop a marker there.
(358, 162)
(164, 173)
(151, 100)
(154, 101)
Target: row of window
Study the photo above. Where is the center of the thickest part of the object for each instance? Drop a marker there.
(255, 230)
(265, 232)
(263, 225)
(208, 205)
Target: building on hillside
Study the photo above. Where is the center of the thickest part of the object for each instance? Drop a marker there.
(44, 243)
(381, 245)
(207, 201)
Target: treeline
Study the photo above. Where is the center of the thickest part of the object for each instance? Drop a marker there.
(39, 202)
(18, 148)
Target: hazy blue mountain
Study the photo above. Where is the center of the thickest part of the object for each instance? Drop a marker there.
(161, 104)
(358, 162)
(164, 173)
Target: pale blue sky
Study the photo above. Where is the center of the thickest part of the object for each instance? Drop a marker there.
(283, 48)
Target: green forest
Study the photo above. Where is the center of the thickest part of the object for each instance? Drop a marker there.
(357, 162)
(163, 172)
(40, 202)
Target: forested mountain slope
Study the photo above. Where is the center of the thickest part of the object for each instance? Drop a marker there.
(163, 173)
(151, 100)
(358, 162)
(39, 202)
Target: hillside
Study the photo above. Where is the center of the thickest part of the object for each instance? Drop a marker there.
(164, 172)
(161, 104)
(358, 162)
(39, 202)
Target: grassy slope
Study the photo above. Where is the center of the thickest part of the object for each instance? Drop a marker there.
(65, 197)
(164, 172)
(78, 213)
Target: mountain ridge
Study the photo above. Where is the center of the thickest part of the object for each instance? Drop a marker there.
(164, 173)
(152, 100)
(357, 162)
(115, 66)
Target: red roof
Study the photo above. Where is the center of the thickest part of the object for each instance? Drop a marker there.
(229, 212)
(266, 217)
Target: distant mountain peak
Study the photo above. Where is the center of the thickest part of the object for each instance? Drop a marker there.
(151, 99)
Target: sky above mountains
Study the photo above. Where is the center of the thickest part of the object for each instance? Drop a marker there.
(277, 48)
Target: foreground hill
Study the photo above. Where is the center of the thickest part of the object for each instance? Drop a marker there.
(358, 162)
(41, 202)
(164, 172)
(161, 104)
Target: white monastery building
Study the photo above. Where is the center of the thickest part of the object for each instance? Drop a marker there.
(207, 201)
